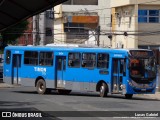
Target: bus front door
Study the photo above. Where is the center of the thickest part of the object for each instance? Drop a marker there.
(118, 74)
(16, 65)
(60, 70)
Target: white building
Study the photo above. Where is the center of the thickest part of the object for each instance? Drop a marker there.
(140, 19)
(76, 22)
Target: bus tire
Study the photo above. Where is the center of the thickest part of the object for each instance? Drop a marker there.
(64, 92)
(41, 86)
(103, 90)
(128, 96)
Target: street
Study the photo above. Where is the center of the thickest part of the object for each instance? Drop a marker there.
(21, 98)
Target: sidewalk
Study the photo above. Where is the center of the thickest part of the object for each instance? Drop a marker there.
(153, 96)
(4, 85)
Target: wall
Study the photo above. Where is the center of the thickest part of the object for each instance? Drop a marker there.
(27, 38)
(118, 3)
(149, 27)
(104, 13)
(59, 35)
(124, 20)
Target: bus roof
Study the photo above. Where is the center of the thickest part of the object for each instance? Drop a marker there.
(69, 48)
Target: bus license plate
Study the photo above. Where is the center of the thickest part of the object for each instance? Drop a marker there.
(143, 89)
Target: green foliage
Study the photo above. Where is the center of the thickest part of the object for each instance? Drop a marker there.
(1, 51)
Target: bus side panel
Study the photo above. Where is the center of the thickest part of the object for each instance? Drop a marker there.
(85, 79)
(50, 77)
(7, 70)
(12, 67)
(31, 73)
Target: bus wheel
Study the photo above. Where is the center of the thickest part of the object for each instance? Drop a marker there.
(64, 92)
(103, 90)
(41, 86)
(128, 96)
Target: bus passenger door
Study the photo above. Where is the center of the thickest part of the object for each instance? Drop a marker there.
(118, 74)
(16, 65)
(60, 70)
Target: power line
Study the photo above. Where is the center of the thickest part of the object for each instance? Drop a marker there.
(142, 40)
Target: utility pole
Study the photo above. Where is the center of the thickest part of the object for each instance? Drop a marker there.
(98, 34)
(53, 25)
(37, 29)
(26, 39)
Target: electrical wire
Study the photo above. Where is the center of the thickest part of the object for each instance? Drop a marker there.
(142, 34)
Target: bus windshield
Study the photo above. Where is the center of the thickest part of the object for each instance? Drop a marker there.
(142, 68)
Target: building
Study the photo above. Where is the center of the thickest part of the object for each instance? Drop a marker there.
(135, 24)
(75, 22)
(81, 22)
(43, 28)
(104, 13)
(27, 37)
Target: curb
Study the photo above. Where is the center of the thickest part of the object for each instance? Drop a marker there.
(153, 96)
(4, 85)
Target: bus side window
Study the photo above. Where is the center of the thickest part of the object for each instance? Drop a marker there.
(89, 60)
(46, 59)
(74, 60)
(102, 60)
(31, 57)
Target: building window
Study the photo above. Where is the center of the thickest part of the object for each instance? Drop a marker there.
(76, 31)
(153, 16)
(50, 14)
(148, 16)
(142, 19)
(74, 59)
(48, 32)
(31, 58)
(88, 60)
(46, 59)
(142, 16)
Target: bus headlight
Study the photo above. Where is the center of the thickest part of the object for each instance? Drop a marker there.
(137, 85)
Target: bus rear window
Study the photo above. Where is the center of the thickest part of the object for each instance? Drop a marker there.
(31, 58)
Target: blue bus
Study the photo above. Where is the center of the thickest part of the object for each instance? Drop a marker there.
(113, 71)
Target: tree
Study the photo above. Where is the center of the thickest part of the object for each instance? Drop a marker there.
(10, 35)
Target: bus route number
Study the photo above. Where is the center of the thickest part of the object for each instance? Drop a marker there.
(60, 53)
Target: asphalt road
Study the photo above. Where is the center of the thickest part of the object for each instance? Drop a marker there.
(26, 99)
